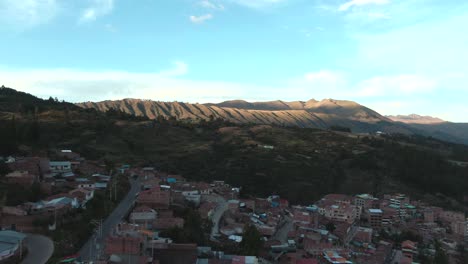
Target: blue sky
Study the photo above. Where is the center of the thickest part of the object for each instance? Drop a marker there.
(395, 56)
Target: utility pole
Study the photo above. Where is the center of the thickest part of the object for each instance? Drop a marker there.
(21, 248)
(115, 190)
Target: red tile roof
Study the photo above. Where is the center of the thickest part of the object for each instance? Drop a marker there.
(123, 245)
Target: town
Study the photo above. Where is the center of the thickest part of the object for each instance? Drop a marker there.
(158, 217)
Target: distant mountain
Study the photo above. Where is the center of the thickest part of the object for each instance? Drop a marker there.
(319, 114)
(416, 119)
(312, 113)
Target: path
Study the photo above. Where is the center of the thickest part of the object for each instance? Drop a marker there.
(40, 249)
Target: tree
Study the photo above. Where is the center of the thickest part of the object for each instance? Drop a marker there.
(440, 256)
(4, 169)
(462, 257)
(330, 226)
(251, 241)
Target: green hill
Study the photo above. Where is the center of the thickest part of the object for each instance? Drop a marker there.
(301, 164)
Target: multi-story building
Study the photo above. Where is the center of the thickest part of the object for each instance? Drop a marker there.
(342, 213)
(459, 228)
(365, 201)
(429, 215)
(375, 218)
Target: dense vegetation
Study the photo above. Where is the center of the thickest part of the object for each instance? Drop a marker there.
(298, 163)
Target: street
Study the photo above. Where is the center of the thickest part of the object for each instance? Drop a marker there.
(285, 226)
(218, 213)
(93, 248)
(40, 249)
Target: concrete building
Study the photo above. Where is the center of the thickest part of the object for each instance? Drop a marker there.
(60, 166)
(342, 212)
(375, 218)
(429, 216)
(143, 215)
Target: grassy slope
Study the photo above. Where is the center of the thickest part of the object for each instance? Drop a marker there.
(305, 163)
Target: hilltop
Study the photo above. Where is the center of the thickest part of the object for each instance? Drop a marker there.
(416, 119)
(324, 114)
(298, 163)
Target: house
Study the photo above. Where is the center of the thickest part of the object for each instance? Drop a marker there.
(100, 185)
(168, 223)
(68, 154)
(10, 210)
(192, 196)
(334, 258)
(203, 188)
(365, 201)
(60, 166)
(206, 209)
(174, 253)
(23, 178)
(363, 235)
(155, 198)
(409, 249)
(232, 229)
(10, 244)
(85, 185)
(340, 212)
(62, 201)
(123, 245)
(302, 217)
(82, 195)
(143, 215)
(244, 260)
(451, 216)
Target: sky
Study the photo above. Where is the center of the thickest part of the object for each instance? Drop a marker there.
(394, 56)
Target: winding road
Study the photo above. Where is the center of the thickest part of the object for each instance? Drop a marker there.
(217, 214)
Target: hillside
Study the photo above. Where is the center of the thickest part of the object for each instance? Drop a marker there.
(310, 114)
(416, 119)
(304, 114)
(303, 164)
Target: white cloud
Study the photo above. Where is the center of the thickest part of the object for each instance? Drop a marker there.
(96, 9)
(27, 13)
(110, 28)
(257, 3)
(398, 85)
(353, 3)
(211, 5)
(200, 19)
(180, 68)
(386, 94)
(323, 76)
(167, 85)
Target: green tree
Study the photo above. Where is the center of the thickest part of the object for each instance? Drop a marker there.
(4, 169)
(251, 241)
(462, 257)
(440, 256)
(330, 227)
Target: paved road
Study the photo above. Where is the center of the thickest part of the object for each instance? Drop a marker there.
(95, 244)
(40, 249)
(285, 226)
(218, 213)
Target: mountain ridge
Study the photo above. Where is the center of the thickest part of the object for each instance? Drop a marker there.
(416, 119)
(323, 114)
(312, 113)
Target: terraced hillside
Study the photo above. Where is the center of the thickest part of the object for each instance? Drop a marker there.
(310, 114)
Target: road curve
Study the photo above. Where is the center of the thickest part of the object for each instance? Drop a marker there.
(218, 213)
(40, 249)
